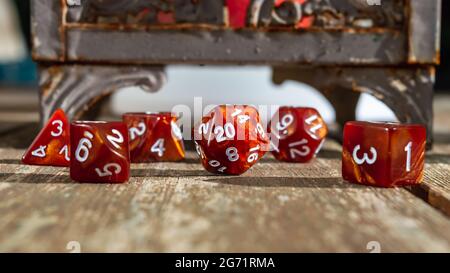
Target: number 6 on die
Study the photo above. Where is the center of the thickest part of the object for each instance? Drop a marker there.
(101, 153)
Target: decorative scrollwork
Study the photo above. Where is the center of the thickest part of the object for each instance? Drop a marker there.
(76, 88)
(250, 13)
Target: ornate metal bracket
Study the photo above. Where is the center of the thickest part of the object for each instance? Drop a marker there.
(75, 88)
(407, 91)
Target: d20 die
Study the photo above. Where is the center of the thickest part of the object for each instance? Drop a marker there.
(99, 152)
(51, 147)
(230, 139)
(154, 137)
(383, 154)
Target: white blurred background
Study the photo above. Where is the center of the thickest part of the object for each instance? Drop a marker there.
(236, 85)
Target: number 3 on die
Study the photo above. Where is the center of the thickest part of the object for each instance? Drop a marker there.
(373, 158)
(366, 158)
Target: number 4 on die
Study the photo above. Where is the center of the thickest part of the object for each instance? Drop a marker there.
(51, 147)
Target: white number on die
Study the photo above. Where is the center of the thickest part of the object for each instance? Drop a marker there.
(106, 170)
(216, 164)
(139, 131)
(39, 152)
(65, 151)
(236, 112)
(284, 123)
(116, 139)
(199, 150)
(82, 151)
(310, 120)
(241, 118)
(365, 158)
(302, 152)
(176, 131)
(158, 147)
(203, 128)
(232, 154)
(59, 128)
(222, 133)
(260, 130)
(222, 169)
(408, 156)
(254, 154)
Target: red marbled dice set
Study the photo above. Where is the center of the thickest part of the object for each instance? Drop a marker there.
(230, 139)
(383, 154)
(300, 133)
(154, 137)
(51, 147)
(100, 152)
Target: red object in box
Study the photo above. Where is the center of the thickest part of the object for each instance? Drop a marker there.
(383, 154)
(297, 134)
(99, 152)
(154, 137)
(237, 12)
(230, 139)
(51, 147)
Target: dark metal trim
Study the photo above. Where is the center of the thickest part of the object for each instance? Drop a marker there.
(75, 88)
(236, 47)
(424, 31)
(47, 30)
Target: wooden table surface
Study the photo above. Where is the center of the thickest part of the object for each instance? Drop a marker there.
(179, 207)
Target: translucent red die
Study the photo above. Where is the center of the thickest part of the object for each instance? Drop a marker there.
(383, 154)
(51, 147)
(154, 137)
(297, 134)
(230, 139)
(99, 152)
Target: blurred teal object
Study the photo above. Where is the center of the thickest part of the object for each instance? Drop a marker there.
(23, 73)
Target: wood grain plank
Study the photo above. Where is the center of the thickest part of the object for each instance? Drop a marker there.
(173, 207)
(19, 135)
(7, 127)
(436, 186)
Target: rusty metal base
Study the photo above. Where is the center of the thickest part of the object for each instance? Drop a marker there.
(76, 88)
(407, 91)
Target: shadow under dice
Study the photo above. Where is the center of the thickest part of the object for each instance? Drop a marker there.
(297, 134)
(230, 139)
(51, 147)
(99, 152)
(383, 154)
(154, 137)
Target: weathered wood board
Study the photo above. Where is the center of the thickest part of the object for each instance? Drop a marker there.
(180, 207)
(276, 207)
(436, 186)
